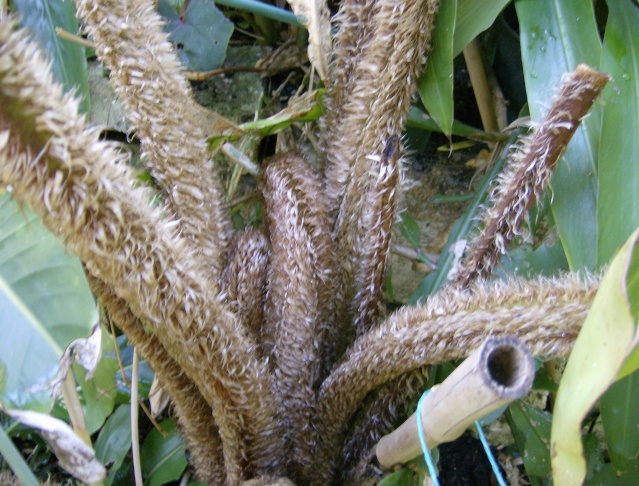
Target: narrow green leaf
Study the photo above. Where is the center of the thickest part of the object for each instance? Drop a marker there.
(163, 458)
(114, 441)
(419, 119)
(600, 349)
(531, 430)
(556, 36)
(463, 228)
(409, 229)
(618, 205)
(13, 457)
(45, 304)
(620, 417)
(474, 17)
(436, 84)
(69, 64)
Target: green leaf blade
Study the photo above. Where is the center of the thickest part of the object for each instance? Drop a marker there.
(114, 441)
(597, 356)
(201, 36)
(69, 63)
(163, 458)
(45, 303)
(620, 417)
(618, 205)
(474, 17)
(436, 84)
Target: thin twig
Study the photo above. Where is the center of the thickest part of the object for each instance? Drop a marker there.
(68, 36)
(201, 76)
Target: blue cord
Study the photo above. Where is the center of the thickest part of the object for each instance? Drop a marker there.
(429, 460)
(491, 458)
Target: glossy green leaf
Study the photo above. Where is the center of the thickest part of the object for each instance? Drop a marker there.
(474, 17)
(201, 34)
(605, 339)
(69, 64)
(145, 373)
(99, 391)
(114, 441)
(531, 430)
(163, 458)
(436, 84)
(620, 417)
(556, 36)
(607, 475)
(618, 205)
(45, 304)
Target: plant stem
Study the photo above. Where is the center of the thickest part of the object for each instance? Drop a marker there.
(74, 407)
(482, 91)
(264, 10)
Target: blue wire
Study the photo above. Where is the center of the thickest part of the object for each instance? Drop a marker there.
(429, 460)
(491, 458)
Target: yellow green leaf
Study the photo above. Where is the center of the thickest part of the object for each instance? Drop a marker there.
(600, 350)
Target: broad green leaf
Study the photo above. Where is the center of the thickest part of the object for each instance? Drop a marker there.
(45, 304)
(620, 417)
(100, 390)
(201, 34)
(556, 36)
(607, 475)
(145, 373)
(163, 458)
(436, 84)
(69, 64)
(531, 430)
(593, 455)
(599, 352)
(114, 441)
(474, 17)
(618, 204)
(526, 262)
